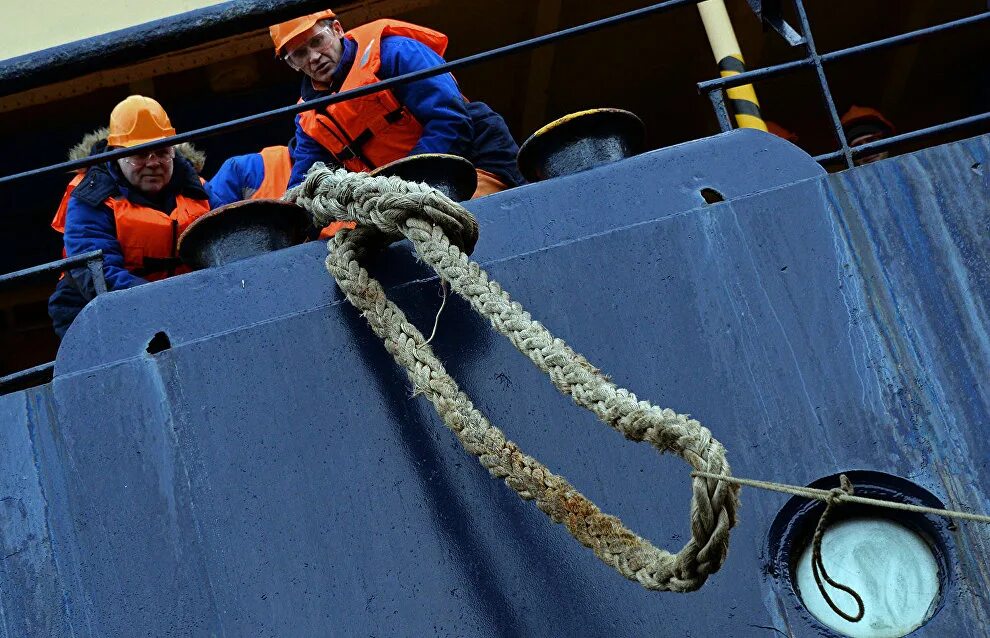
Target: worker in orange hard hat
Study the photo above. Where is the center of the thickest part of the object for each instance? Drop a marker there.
(426, 116)
(133, 209)
(863, 124)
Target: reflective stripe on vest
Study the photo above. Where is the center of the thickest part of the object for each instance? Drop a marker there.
(148, 237)
(370, 131)
(278, 167)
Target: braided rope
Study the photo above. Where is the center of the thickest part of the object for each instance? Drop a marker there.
(441, 230)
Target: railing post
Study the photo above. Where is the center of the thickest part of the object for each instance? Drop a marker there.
(95, 266)
(809, 44)
(721, 112)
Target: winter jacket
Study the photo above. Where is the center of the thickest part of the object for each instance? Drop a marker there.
(263, 175)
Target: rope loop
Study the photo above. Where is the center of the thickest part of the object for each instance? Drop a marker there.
(441, 231)
(834, 498)
(384, 203)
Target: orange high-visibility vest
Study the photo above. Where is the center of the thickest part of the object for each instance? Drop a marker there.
(371, 131)
(278, 168)
(148, 237)
(58, 222)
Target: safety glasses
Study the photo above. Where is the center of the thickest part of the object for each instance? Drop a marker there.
(163, 155)
(297, 57)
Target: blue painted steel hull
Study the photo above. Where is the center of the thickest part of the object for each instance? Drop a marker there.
(271, 475)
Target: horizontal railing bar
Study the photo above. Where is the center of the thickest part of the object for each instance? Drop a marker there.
(910, 36)
(754, 75)
(52, 266)
(259, 118)
(749, 77)
(828, 157)
(882, 144)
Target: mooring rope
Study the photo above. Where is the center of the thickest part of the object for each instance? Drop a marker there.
(818, 565)
(387, 209)
(441, 230)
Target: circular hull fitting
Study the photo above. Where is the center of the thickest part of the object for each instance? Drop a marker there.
(898, 563)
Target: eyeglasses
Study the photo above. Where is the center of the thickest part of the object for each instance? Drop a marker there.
(297, 57)
(163, 155)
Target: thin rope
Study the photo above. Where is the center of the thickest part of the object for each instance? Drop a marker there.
(823, 495)
(818, 565)
(833, 498)
(441, 231)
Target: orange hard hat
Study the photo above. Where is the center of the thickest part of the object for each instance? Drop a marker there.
(284, 31)
(863, 114)
(137, 120)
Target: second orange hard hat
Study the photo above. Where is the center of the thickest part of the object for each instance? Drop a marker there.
(284, 31)
(137, 120)
(859, 114)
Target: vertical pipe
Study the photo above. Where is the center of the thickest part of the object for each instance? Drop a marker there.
(730, 62)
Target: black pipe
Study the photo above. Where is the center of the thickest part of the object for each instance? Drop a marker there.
(143, 41)
(260, 118)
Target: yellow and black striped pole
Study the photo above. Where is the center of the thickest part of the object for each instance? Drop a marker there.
(730, 62)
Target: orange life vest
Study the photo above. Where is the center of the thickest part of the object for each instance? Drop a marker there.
(278, 167)
(371, 131)
(58, 222)
(147, 237)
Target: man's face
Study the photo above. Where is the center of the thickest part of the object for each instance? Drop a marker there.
(149, 172)
(866, 138)
(317, 51)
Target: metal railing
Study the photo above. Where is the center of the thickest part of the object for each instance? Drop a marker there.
(93, 261)
(715, 89)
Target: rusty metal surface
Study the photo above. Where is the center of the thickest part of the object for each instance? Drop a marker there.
(273, 476)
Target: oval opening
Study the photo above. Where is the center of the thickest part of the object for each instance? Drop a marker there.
(159, 343)
(711, 196)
